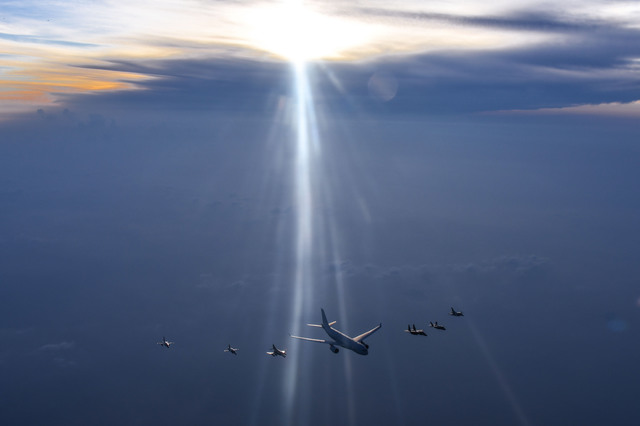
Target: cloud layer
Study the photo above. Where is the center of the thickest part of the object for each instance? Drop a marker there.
(454, 57)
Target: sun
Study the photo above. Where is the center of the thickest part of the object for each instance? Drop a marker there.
(297, 32)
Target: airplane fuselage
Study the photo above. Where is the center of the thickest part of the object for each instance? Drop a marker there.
(341, 339)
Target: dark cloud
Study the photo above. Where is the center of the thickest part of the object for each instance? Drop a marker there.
(586, 70)
(523, 20)
(220, 85)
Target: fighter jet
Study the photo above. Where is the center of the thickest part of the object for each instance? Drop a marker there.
(165, 343)
(414, 331)
(277, 352)
(456, 313)
(338, 338)
(232, 350)
(436, 325)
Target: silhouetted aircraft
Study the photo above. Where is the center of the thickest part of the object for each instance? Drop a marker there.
(277, 352)
(232, 350)
(338, 338)
(414, 331)
(436, 325)
(165, 343)
(456, 313)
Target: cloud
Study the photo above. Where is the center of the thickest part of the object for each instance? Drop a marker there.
(584, 69)
(520, 265)
(446, 58)
(13, 332)
(58, 353)
(57, 347)
(513, 264)
(520, 20)
(22, 38)
(224, 85)
(615, 109)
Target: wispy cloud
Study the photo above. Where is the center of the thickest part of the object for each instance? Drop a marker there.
(614, 109)
(56, 347)
(21, 38)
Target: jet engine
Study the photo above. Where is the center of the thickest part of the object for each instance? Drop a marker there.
(334, 349)
(365, 345)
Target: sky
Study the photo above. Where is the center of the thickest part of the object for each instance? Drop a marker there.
(217, 171)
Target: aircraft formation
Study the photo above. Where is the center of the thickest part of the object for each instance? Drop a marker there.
(416, 332)
(337, 338)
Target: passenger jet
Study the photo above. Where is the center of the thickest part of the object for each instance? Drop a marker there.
(338, 338)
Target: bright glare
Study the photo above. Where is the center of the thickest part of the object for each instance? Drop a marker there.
(298, 33)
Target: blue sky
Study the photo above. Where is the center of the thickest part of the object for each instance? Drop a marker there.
(216, 172)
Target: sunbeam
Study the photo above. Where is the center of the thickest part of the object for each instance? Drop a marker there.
(316, 243)
(302, 279)
(510, 395)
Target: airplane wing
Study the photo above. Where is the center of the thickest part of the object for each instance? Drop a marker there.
(313, 340)
(367, 334)
(320, 325)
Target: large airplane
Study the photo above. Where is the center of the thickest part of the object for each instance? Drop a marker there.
(232, 350)
(165, 343)
(338, 338)
(456, 313)
(277, 352)
(414, 331)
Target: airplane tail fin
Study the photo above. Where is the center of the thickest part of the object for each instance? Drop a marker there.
(324, 321)
(324, 318)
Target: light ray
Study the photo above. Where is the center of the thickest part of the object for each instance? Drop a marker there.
(500, 377)
(304, 223)
(276, 151)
